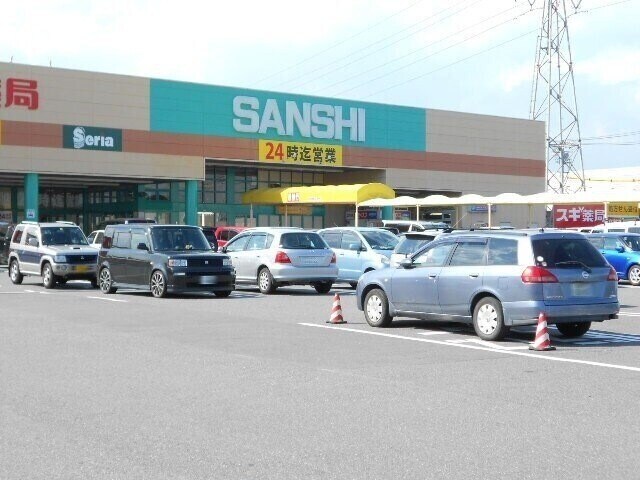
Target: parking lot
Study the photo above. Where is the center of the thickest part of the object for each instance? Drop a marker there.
(260, 386)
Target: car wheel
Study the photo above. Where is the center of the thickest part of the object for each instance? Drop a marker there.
(222, 293)
(573, 330)
(323, 287)
(376, 309)
(158, 284)
(14, 273)
(488, 319)
(105, 281)
(48, 278)
(634, 275)
(266, 284)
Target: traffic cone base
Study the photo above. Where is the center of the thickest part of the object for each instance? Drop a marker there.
(336, 311)
(542, 342)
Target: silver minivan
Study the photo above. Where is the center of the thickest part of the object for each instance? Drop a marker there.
(496, 280)
(274, 256)
(359, 250)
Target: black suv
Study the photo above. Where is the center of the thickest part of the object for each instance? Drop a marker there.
(163, 259)
(6, 231)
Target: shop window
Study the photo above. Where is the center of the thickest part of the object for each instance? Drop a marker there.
(21, 198)
(5, 199)
(296, 178)
(44, 200)
(318, 179)
(285, 177)
(214, 188)
(307, 178)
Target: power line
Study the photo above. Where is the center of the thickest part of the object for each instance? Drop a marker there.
(453, 63)
(431, 55)
(315, 55)
(403, 56)
(613, 135)
(347, 57)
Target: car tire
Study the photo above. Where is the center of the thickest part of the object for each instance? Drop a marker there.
(48, 277)
(105, 282)
(376, 309)
(323, 287)
(266, 284)
(633, 274)
(158, 284)
(488, 319)
(573, 330)
(14, 273)
(222, 293)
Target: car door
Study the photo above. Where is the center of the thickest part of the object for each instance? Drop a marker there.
(235, 250)
(138, 263)
(462, 276)
(118, 255)
(253, 254)
(30, 258)
(415, 289)
(617, 259)
(349, 257)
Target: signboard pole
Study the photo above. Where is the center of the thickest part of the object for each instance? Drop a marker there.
(606, 212)
(355, 219)
(489, 214)
(417, 213)
(286, 215)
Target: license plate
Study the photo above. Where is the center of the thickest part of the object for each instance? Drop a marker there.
(81, 268)
(310, 260)
(581, 289)
(208, 279)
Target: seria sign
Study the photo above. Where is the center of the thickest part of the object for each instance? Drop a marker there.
(91, 138)
(309, 120)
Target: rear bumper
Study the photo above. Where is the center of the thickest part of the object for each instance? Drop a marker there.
(526, 313)
(304, 275)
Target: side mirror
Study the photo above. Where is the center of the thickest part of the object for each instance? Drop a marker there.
(33, 242)
(143, 246)
(213, 246)
(224, 249)
(620, 249)
(406, 263)
(355, 246)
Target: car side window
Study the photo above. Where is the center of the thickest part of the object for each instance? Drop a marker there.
(611, 243)
(469, 254)
(99, 237)
(434, 256)
(332, 239)
(17, 235)
(502, 251)
(349, 240)
(257, 241)
(32, 234)
(138, 238)
(122, 240)
(597, 242)
(91, 237)
(238, 244)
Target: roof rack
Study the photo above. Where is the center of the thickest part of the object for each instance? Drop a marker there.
(65, 222)
(30, 222)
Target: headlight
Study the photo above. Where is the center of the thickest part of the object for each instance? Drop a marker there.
(60, 259)
(226, 262)
(175, 262)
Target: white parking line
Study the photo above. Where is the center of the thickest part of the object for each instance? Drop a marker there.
(544, 356)
(629, 314)
(434, 332)
(108, 299)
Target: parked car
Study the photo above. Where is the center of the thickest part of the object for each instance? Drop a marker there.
(409, 243)
(632, 226)
(6, 231)
(404, 226)
(95, 239)
(495, 280)
(272, 257)
(210, 235)
(224, 234)
(622, 251)
(56, 251)
(163, 259)
(359, 250)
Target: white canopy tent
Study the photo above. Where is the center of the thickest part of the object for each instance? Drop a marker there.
(543, 198)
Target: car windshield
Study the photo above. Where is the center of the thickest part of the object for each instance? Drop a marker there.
(302, 240)
(63, 236)
(408, 245)
(567, 253)
(178, 239)
(380, 240)
(632, 242)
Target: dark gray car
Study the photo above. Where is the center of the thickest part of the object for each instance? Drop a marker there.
(495, 280)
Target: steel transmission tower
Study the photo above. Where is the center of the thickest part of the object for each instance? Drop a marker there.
(554, 99)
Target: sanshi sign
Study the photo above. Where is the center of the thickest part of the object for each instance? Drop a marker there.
(306, 119)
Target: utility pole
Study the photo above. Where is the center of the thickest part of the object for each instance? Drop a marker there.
(553, 98)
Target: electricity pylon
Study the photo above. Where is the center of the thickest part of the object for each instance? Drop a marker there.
(553, 98)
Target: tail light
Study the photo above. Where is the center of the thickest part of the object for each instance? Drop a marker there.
(613, 276)
(282, 257)
(333, 257)
(538, 275)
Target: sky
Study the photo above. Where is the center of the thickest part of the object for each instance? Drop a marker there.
(469, 55)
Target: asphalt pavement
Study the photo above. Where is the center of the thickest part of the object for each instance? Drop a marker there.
(127, 386)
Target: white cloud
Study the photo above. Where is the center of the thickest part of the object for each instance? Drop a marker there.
(516, 76)
(612, 67)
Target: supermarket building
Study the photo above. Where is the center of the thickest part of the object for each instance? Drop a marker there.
(85, 147)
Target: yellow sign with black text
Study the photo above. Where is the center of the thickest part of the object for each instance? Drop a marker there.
(298, 153)
(622, 210)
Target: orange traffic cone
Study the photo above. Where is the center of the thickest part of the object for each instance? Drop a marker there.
(542, 343)
(336, 311)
